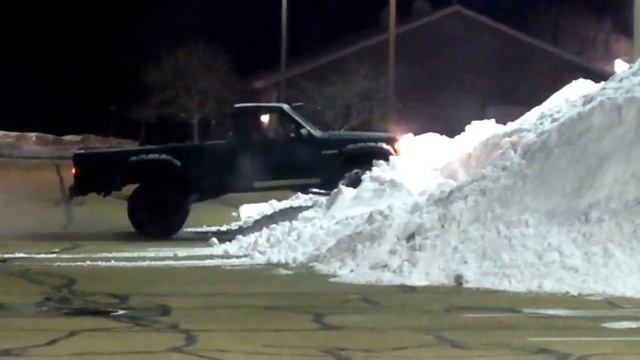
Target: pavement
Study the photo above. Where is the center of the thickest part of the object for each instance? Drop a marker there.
(96, 290)
(129, 300)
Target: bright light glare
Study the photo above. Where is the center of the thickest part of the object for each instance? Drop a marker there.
(620, 65)
(436, 150)
(403, 143)
(264, 118)
(426, 160)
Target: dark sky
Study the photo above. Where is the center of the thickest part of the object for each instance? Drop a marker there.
(65, 63)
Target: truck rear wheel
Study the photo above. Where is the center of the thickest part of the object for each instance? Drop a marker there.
(157, 212)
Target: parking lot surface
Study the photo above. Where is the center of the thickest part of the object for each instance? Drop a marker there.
(138, 304)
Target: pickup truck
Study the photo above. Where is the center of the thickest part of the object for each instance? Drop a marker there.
(270, 147)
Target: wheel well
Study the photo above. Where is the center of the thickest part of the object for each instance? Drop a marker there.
(154, 171)
(365, 158)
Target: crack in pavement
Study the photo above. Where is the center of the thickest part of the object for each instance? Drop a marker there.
(370, 301)
(614, 304)
(19, 351)
(594, 356)
(406, 289)
(481, 309)
(320, 320)
(335, 354)
(338, 352)
(450, 342)
(527, 350)
(65, 300)
(557, 355)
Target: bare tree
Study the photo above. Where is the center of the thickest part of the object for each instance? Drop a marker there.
(190, 83)
(351, 98)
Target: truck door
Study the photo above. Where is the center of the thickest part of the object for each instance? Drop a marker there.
(272, 151)
(293, 156)
(249, 150)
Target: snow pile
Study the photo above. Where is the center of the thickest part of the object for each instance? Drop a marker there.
(547, 203)
(39, 145)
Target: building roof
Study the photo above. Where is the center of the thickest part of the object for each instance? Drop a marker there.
(271, 78)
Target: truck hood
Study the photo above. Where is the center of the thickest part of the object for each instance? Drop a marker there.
(360, 136)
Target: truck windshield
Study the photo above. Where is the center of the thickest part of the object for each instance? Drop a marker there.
(303, 114)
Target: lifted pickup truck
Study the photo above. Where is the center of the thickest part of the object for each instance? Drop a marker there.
(270, 147)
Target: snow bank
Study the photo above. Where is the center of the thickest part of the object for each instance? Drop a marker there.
(547, 203)
(39, 145)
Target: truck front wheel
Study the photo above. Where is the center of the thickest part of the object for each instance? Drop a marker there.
(353, 171)
(157, 212)
(353, 178)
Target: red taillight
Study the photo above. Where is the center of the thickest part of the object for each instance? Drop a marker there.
(74, 171)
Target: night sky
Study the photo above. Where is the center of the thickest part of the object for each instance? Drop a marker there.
(65, 64)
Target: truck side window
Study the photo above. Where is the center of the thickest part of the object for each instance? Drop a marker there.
(255, 131)
(246, 127)
(278, 125)
(261, 125)
(271, 124)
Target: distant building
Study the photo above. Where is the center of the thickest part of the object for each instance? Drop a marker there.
(453, 66)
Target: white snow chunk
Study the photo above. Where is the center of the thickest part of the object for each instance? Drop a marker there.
(619, 325)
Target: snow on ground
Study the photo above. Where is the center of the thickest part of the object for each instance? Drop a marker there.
(39, 145)
(547, 203)
(622, 325)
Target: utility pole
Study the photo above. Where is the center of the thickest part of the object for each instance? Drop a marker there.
(283, 52)
(391, 74)
(636, 30)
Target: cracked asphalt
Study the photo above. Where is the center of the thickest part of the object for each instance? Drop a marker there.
(90, 312)
(50, 310)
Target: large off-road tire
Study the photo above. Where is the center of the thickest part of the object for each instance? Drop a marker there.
(353, 172)
(353, 178)
(157, 212)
